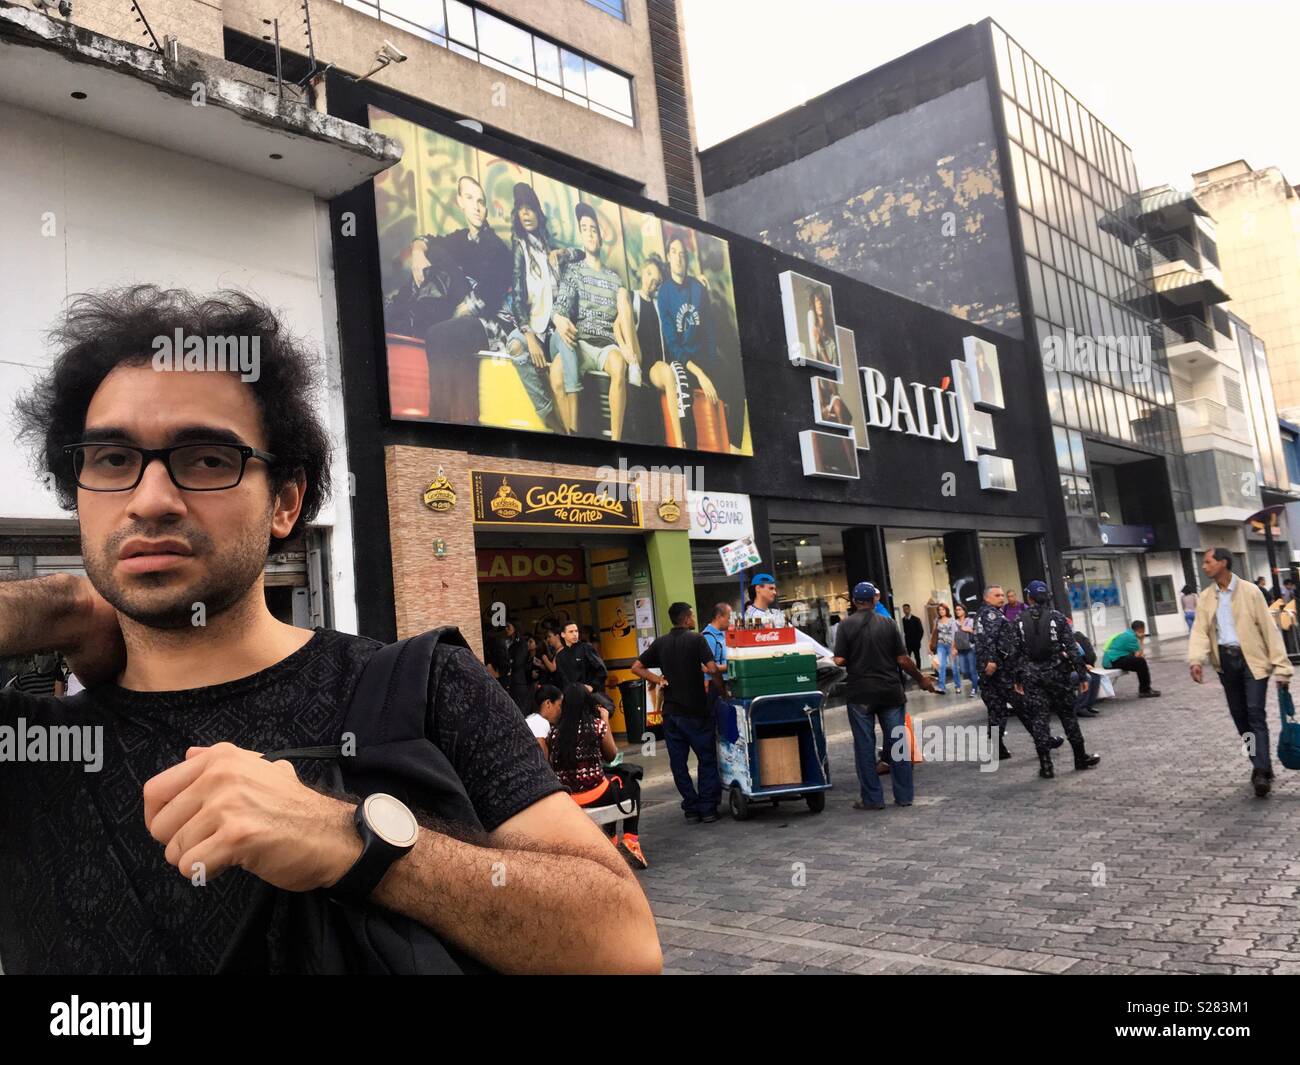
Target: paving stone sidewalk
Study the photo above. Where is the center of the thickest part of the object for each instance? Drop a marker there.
(1159, 860)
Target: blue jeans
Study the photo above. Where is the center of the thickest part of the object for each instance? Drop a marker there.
(862, 720)
(945, 656)
(684, 734)
(966, 668)
(1189, 616)
(535, 384)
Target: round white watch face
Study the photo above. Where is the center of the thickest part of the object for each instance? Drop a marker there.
(390, 820)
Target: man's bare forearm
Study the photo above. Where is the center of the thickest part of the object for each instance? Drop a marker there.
(524, 911)
(40, 614)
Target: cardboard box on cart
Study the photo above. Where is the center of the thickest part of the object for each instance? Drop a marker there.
(778, 761)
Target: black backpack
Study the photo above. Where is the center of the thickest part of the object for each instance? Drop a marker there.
(313, 933)
(1036, 635)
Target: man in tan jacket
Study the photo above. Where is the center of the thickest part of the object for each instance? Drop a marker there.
(1234, 628)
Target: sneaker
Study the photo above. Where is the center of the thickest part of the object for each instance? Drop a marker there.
(631, 847)
(860, 805)
(692, 818)
(971, 694)
(1262, 782)
(710, 817)
(1150, 693)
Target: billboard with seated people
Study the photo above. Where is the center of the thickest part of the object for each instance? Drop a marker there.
(512, 299)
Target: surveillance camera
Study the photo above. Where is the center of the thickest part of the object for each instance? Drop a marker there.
(391, 53)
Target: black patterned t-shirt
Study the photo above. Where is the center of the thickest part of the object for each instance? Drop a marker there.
(84, 888)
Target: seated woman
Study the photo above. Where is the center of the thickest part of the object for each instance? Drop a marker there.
(546, 714)
(577, 746)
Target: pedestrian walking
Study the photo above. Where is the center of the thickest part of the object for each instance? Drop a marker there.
(578, 663)
(871, 648)
(1189, 605)
(1049, 673)
(913, 634)
(964, 647)
(997, 659)
(1235, 631)
(683, 657)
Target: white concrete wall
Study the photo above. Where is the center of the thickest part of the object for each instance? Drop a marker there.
(127, 212)
(1166, 564)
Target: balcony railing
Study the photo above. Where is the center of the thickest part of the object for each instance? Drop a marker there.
(1195, 415)
(1173, 249)
(1188, 330)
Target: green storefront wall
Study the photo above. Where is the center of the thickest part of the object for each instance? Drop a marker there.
(671, 577)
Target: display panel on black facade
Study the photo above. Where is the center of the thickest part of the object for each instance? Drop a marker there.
(512, 299)
(809, 321)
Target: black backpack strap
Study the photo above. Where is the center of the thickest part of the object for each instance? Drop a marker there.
(391, 698)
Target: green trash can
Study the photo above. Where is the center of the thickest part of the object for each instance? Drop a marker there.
(633, 694)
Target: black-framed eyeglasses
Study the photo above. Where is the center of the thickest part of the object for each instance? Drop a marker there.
(112, 467)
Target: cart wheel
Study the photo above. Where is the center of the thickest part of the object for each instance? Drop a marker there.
(738, 803)
(816, 801)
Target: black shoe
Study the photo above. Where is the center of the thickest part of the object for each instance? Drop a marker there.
(1003, 753)
(860, 805)
(1087, 761)
(1262, 782)
(1057, 741)
(1045, 768)
(897, 803)
(1150, 693)
(1086, 713)
(709, 818)
(692, 818)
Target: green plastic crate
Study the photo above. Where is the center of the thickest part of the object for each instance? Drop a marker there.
(779, 665)
(776, 685)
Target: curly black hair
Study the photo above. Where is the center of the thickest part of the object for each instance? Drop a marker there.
(117, 327)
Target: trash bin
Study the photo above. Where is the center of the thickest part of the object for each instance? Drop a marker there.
(633, 695)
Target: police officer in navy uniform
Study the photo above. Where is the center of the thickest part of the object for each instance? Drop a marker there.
(997, 658)
(1050, 671)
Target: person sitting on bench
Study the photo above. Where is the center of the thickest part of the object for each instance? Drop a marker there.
(1124, 651)
(579, 744)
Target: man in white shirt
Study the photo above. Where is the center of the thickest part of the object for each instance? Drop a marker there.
(762, 601)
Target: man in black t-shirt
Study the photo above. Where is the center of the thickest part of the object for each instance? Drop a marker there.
(871, 648)
(683, 657)
(578, 662)
(141, 850)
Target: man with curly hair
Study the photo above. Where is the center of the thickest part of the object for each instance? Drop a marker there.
(182, 481)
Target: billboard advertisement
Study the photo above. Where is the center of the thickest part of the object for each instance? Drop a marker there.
(515, 300)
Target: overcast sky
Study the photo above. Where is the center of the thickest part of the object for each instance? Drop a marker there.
(1186, 85)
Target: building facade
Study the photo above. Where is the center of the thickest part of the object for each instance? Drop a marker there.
(1258, 215)
(117, 174)
(857, 435)
(968, 175)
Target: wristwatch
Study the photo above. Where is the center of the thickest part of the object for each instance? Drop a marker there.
(388, 830)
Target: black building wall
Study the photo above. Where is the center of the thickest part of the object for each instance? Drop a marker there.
(901, 476)
(892, 178)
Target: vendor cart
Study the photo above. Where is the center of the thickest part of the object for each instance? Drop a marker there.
(772, 748)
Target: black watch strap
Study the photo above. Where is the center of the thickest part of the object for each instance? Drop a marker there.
(387, 830)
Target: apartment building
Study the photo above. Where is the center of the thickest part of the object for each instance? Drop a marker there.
(1258, 215)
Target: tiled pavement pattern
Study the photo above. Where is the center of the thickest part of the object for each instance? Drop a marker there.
(995, 872)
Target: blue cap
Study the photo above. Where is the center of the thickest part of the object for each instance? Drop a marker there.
(1036, 588)
(864, 592)
(762, 578)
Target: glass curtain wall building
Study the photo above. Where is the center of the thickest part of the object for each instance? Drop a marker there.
(1088, 273)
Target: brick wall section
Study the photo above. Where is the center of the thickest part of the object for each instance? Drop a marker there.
(428, 592)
